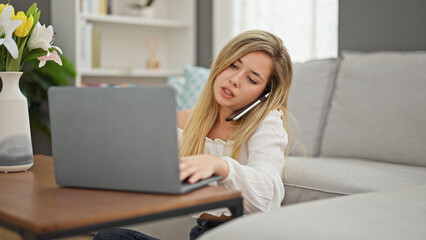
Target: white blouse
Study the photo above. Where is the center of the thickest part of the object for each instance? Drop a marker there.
(258, 173)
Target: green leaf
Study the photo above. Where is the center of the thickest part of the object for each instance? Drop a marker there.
(33, 9)
(68, 67)
(33, 54)
(36, 17)
(55, 72)
(41, 82)
(15, 64)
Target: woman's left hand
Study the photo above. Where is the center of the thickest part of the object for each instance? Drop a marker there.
(198, 167)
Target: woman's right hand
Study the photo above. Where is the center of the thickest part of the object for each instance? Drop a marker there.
(202, 166)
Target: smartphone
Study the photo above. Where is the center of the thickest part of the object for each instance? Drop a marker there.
(239, 113)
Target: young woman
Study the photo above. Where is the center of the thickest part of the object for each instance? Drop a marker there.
(248, 152)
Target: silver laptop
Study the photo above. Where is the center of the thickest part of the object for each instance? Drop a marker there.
(117, 139)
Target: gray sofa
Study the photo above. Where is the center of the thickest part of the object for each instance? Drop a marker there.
(391, 215)
(363, 122)
(362, 119)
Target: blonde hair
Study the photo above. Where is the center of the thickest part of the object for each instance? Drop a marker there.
(206, 109)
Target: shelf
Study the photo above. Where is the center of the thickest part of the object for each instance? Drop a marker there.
(130, 73)
(135, 21)
(121, 45)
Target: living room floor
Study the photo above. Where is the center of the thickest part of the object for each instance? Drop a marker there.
(6, 234)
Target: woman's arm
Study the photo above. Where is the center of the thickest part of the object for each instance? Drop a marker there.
(198, 167)
(260, 179)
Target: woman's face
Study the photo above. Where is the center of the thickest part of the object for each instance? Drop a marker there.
(243, 81)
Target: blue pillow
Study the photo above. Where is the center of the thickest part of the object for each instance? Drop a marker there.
(196, 78)
(178, 83)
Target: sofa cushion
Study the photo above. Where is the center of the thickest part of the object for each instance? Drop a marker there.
(178, 83)
(393, 214)
(315, 178)
(378, 109)
(189, 86)
(309, 101)
(195, 77)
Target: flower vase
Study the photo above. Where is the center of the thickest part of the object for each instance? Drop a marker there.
(16, 153)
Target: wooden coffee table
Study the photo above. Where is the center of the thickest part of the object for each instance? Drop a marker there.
(34, 206)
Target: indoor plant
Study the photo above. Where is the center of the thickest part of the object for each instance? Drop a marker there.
(34, 84)
(22, 39)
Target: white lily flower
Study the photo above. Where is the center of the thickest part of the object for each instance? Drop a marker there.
(7, 27)
(41, 37)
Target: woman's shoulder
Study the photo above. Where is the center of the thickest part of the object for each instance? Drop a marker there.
(274, 114)
(272, 121)
(182, 117)
(272, 127)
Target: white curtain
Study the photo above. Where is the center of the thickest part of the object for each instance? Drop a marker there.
(308, 28)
